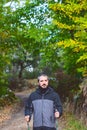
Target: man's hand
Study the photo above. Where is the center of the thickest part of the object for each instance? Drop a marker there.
(27, 118)
(57, 114)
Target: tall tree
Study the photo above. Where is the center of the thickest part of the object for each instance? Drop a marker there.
(70, 19)
(22, 26)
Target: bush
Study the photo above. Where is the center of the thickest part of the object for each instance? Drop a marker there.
(3, 91)
(30, 75)
(7, 99)
(68, 85)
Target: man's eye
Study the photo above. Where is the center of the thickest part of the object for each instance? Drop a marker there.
(41, 81)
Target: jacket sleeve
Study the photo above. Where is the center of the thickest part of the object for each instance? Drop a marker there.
(58, 104)
(28, 107)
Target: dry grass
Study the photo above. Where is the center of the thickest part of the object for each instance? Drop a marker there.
(7, 111)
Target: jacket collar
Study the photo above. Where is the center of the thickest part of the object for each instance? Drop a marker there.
(49, 89)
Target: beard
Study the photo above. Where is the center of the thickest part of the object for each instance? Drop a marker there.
(44, 86)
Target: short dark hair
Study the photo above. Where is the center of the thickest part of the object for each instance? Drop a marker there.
(42, 74)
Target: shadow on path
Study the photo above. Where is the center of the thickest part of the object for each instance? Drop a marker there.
(17, 121)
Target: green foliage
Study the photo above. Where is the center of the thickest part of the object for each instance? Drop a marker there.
(3, 91)
(73, 123)
(7, 99)
(21, 35)
(3, 85)
(6, 95)
(25, 27)
(30, 75)
(70, 19)
(29, 38)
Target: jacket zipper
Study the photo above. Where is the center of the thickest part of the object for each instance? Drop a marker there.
(42, 108)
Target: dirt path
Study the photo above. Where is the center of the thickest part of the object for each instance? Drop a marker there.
(16, 120)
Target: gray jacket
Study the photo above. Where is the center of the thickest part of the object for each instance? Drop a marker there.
(43, 107)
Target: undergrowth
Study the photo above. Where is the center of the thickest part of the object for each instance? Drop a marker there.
(7, 100)
(73, 123)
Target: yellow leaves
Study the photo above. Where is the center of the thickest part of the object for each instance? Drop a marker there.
(83, 70)
(81, 21)
(63, 26)
(70, 17)
(55, 6)
(82, 58)
(79, 46)
(4, 35)
(61, 43)
(67, 43)
(73, 44)
(68, 8)
(83, 47)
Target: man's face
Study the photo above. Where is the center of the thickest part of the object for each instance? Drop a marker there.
(43, 81)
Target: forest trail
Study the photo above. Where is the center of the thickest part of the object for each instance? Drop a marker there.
(16, 119)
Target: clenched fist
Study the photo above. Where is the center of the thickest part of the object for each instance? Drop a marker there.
(27, 118)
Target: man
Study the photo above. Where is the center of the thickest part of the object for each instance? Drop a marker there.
(45, 105)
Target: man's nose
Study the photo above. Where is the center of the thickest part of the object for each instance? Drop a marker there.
(44, 81)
